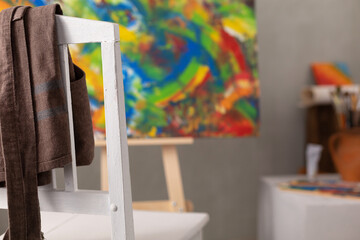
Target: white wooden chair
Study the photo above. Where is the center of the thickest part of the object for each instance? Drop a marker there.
(83, 214)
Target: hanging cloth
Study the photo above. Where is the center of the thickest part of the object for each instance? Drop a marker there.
(34, 127)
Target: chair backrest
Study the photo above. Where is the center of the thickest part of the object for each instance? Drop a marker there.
(118, 201)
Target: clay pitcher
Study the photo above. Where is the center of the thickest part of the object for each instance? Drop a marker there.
(345, 151)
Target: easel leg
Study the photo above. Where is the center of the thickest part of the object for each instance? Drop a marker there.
(104, 170)
(176, 202)
(173, 178)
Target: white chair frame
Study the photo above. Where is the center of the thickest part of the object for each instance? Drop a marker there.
(118, 201)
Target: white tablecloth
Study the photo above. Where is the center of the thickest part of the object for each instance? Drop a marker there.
(285, 215)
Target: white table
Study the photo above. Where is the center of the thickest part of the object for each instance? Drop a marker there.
(288, 215)
(148, 226)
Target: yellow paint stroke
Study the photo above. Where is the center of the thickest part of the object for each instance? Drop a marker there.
(191, 111)
(239, 26)
(203, 13)
(99, 117)
(92, 77)
(152, 132)
(193, 125)
(198, 79)
(127, 35)
(215, 36)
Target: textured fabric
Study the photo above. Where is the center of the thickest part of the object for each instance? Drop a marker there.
(34, 125)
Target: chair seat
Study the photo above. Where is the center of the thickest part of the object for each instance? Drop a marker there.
(148, 226)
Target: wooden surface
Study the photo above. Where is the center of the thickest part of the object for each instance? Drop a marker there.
(321, 123)
(151, 141)
(161, 205)
(148, 226)
(104, 177)
(173, 178)
(172, 171)
(176, 201)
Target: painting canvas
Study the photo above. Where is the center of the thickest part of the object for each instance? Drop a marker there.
(189, 66)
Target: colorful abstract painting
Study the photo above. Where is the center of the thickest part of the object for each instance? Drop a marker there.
(328, 73)
(190, 66)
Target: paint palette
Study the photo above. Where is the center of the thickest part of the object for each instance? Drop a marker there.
(330, 188)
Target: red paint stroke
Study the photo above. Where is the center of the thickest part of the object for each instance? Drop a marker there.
(179, 45)
(97, 129)
(234, 126)
(144, 47)
(231, 44)
(156, 53)
(152, 4)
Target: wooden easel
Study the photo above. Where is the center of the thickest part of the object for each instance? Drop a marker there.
(176, 201)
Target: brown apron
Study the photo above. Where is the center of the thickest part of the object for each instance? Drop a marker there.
(34, 125)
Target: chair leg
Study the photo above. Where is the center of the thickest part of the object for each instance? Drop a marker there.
(121, 211)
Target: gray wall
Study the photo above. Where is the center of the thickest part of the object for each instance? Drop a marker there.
(221, 175)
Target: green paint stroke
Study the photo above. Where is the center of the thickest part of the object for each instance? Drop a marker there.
(247, 110)
(176, 86)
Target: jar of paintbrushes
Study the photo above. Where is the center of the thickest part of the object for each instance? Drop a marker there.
(347, 108)
(344, 145)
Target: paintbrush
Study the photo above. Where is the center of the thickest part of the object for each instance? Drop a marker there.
(353, 113)
(357, 111)
(347, 109)
(335, 96)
